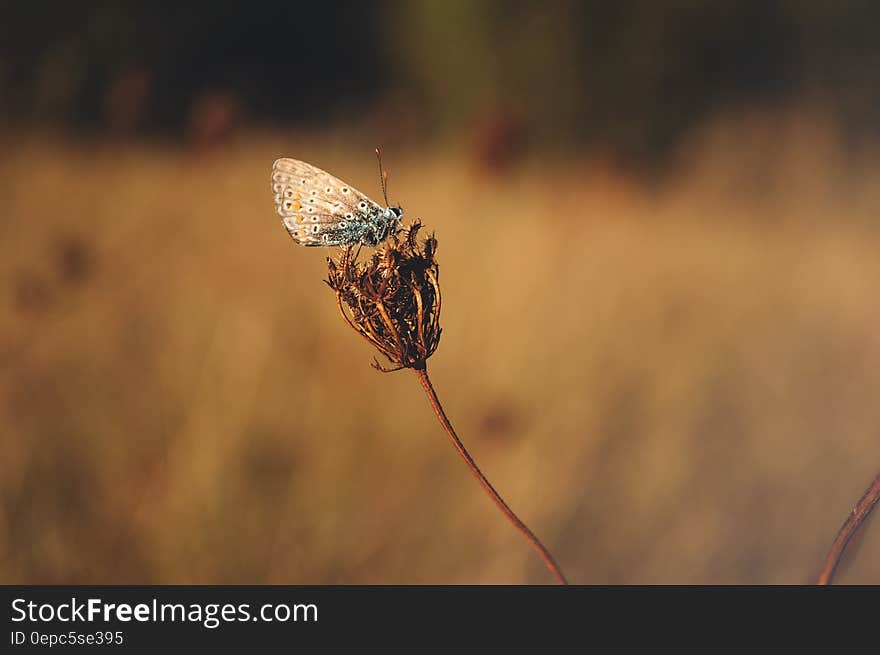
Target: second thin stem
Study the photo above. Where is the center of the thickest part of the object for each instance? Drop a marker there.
(855, 519)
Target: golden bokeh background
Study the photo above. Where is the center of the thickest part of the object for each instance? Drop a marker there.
(669, 369)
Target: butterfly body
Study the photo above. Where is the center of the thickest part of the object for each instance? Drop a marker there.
(318, 209)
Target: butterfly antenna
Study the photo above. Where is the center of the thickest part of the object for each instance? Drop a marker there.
(383, 177)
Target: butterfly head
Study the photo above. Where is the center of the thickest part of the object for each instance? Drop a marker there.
(393, 216)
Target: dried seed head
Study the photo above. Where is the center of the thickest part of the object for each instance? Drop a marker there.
(393, 298)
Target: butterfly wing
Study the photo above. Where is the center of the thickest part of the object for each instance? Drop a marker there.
(316, 208)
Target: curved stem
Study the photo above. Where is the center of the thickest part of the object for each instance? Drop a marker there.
(855, 519)
(494, 495)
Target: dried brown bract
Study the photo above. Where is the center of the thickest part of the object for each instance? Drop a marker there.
(393, 298)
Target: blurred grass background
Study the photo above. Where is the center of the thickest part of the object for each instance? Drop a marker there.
(658, 235)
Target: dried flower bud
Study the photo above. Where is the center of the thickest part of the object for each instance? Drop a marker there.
(392, 299)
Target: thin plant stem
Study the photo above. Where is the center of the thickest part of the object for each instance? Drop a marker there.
(494, 495)
(855, 519)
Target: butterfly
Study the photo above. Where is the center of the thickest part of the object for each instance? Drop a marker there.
(321, 210)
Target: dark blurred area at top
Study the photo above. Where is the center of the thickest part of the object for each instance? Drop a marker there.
(627, 79)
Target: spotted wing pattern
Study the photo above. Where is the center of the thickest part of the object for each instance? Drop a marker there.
(318, 209)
